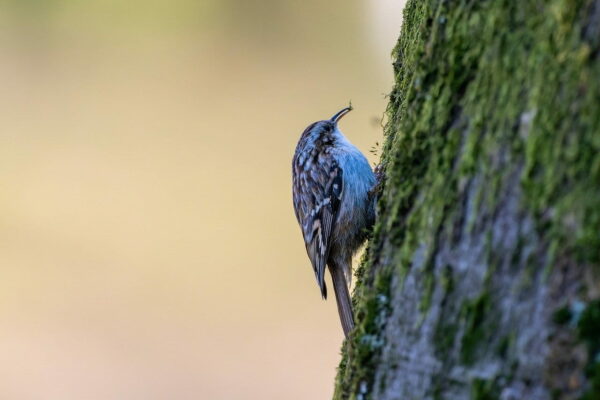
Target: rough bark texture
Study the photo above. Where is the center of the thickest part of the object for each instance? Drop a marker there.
(481, 280)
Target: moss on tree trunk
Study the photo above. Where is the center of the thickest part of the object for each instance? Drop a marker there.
(481, 280)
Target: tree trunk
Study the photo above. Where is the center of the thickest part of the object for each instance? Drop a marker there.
(481, 280)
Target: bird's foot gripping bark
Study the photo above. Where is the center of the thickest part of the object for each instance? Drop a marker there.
(376, 190)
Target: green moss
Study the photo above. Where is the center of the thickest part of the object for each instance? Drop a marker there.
(445, 338)
(593, 375)
(428, 285)
(589, 326)
(475, 329)
(504, 346)
(445, 332)
(361, 351)
(562, 316)
(447, 281)
(485, 92)
(589, 332)
(482, 389)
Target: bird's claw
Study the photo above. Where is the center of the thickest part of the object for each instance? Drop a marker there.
(379, 181)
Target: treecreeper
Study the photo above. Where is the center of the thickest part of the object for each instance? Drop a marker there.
(334, 201)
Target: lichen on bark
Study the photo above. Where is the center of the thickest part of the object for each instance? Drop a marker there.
(481, 279)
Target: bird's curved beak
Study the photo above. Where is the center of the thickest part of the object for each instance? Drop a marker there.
(340, 114)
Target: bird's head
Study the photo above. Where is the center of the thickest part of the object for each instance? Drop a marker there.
(317, 129)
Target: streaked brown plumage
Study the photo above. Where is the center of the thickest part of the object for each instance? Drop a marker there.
(332, 181)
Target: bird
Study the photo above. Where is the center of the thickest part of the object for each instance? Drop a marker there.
(332, 190)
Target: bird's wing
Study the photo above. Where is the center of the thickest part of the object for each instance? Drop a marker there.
(318, 187)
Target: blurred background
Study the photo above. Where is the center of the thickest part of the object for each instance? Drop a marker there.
(148, 245)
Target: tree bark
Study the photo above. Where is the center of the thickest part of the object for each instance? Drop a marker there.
(482, 277)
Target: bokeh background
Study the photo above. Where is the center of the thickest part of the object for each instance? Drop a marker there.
(148, 247)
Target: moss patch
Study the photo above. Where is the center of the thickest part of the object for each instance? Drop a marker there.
(474, 313)
(562, 316)
(484, 91)
(589, 332)
(361, 351)
(482, 389)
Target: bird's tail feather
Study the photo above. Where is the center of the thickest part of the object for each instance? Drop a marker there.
(342, 297)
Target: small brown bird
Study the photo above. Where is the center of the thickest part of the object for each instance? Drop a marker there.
(333, 201)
